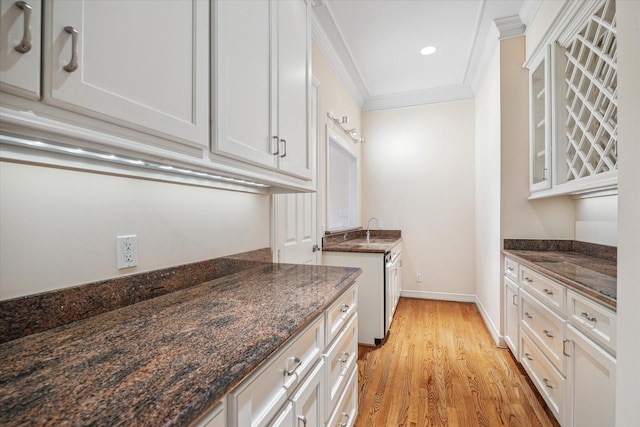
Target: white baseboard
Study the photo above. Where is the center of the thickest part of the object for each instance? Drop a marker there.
(441, 296)
(444, 296)
(495, 332)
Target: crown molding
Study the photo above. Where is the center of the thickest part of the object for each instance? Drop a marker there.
(529, 10)
(510, 26)
(329, 40)
(422, 97)
(336, 53)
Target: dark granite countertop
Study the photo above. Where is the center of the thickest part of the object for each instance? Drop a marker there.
(166, 360)
(592, 275)
(380, 241)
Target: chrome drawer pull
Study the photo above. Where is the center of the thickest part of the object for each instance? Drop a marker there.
(290, 372)
(284, 148)
(345, 308)
(513, 298)
(528, 280)
(526, 313)
(589, 317)
(26, 44)
(547, 333)
(303, 419)
(73, 63)
(345, 417)
(346, 357)
(275, 139)
(510, 268)
(528, 356)
(564, 348)
(547, 291)
(547, 383)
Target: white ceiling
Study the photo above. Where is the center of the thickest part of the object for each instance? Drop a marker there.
(374, 45)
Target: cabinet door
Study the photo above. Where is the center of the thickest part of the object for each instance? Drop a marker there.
(308, 400)
(20, 47)
(511, 318)
(293, 88)
(243, 81)
(540, 127)
(591, 388)
(140, 64)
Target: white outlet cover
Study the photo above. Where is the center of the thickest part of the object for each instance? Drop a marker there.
(127, 251)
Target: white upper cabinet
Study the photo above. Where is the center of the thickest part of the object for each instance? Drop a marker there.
(261, 76)
(139, 64)
(20, 47)
(540, 127)
(293, 87)
(573, 100)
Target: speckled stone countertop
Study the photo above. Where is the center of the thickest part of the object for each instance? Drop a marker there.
(380, 241)
(165, 360)
(589, 269)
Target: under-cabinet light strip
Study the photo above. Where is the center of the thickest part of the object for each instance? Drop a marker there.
(339, 121)
(124, 160)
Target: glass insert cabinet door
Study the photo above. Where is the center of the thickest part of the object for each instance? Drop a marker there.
(540, 143)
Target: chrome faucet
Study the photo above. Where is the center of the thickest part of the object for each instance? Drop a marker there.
(368, 231)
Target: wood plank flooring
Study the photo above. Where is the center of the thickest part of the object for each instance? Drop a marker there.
(439, 367)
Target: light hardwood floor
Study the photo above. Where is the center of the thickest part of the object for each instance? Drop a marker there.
(439, 367)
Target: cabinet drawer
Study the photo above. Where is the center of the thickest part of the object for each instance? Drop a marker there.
(340, 357)
(596, 321)
(547, 379)
(544, 327)
(347, 409)
(255, 401)
(339, 312)
(511, 269)
(546, 290)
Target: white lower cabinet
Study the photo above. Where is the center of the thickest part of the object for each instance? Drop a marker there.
(345, 414)
(257, 399)
(511, 315)
(311, 380)
(591, 379)
(308, 401)
(549, 382)
(215, 417)
(566, 346)
(285, 417)
(340, 358)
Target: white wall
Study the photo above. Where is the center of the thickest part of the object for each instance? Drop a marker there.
(59, 226)
(419, 176)
(334, 99)
(628, 368)
(502, 174)
(597, 220)
(487, 198)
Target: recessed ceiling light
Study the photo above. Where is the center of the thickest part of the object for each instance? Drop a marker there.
(428, 50)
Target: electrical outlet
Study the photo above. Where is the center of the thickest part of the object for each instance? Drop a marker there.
(344, 213)
(379, 225)
(418, 277)
(127, 251)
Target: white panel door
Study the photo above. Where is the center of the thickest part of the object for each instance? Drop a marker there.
(140, 64)
(293, 88)
(20, 28)
(296, 225)
(296, 215)
(243, 81)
